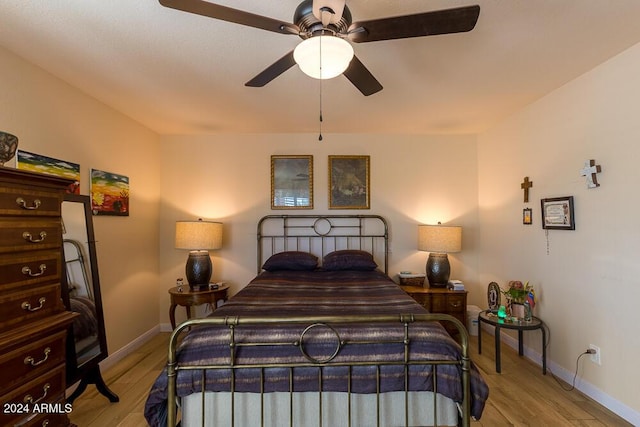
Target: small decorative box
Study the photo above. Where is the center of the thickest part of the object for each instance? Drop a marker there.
(411, 279)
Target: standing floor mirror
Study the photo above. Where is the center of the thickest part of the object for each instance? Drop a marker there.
(86, 341)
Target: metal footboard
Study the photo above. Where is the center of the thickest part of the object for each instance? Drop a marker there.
(233, 323)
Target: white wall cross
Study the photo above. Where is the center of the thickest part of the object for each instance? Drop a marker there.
(590, 170)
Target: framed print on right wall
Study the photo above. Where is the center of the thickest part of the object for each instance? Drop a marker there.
(557, 213)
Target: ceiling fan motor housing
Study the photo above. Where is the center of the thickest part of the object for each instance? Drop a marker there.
(310, 25)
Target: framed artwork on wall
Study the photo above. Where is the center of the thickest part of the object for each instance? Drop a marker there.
(349, 182)
(292, 182)
(109, 193)
(527, 215)
(557, 213)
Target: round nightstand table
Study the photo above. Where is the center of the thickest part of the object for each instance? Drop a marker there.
(521, 325)
(189, 298)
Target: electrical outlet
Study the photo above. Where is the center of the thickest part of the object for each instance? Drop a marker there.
(595, 356)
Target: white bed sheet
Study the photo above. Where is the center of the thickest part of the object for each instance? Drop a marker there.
(306, 409)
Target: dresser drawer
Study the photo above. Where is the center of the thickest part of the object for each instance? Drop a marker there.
(29, 269)
(456, 303)
(17, 201)
(19, 307)
(39, 356)
(27, 235)
(49, 388)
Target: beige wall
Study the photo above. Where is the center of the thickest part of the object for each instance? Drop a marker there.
(414, 180)
(55, 119)
(588, 280)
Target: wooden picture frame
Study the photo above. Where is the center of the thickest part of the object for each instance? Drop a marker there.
(292, 182)
(349, 182)
(557, 213)
(527, 216)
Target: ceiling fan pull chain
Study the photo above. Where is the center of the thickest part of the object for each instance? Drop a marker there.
(320, 136)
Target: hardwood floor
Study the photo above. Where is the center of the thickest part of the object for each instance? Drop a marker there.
(520, 396)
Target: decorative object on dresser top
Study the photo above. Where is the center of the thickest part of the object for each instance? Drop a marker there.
(87, 343)
(407, 278)
(33, 162)
(8, 147)
(439, 240)
(198, 236)
(320, 326)
(33, 319)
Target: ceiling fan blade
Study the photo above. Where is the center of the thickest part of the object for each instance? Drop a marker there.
(211, 10)
(272, 71)
(446, 21)
(362, 78)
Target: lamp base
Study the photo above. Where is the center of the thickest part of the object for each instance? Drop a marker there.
(438, 270)
(198, 270)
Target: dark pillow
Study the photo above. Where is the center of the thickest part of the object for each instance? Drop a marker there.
(349, 259)
(291, 260)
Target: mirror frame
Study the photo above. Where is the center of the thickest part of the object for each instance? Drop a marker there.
(89, 371)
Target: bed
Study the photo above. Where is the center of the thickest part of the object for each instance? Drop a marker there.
(320, 337)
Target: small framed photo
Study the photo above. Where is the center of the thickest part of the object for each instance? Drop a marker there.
(349, 182)
(527, 214)
(557, 213)
(292, 182)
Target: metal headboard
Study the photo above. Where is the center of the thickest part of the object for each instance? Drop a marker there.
(321, 234)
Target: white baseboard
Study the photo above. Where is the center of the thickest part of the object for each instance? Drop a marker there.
(615, 406)
(121, 353)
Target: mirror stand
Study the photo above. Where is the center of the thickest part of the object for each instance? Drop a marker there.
(93, 376)
(86, 342)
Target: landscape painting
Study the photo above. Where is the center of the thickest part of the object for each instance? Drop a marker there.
(48, 165)
(109, 193)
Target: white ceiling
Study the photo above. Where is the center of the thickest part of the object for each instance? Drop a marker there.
(176, 72)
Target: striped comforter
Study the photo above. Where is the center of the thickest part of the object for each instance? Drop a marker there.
(319, 293)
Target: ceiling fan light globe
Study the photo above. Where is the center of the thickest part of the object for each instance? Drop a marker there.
(336, 56)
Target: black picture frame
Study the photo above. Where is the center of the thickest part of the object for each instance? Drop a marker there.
(527, 216)
(558, 213)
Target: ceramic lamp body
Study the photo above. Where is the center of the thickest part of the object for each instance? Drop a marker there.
(198, 270)
(438, 270)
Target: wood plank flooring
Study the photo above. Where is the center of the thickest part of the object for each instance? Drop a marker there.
(520, 396)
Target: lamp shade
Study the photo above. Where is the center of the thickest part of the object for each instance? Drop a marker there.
(198, 235)
(323, 57)
(439, 238)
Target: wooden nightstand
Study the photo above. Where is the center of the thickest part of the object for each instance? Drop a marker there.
(441, 300)
(189, 298)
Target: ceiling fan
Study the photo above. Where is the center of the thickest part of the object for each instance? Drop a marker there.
(326, 23)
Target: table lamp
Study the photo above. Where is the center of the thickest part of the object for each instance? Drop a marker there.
(439, 240)
(199, 237)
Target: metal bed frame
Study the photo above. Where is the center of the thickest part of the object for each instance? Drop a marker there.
(320, 234)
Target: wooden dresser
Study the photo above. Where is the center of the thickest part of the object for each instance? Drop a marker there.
(441, 300)
(33, 318)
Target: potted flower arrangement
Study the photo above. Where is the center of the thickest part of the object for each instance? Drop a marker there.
(517, 295)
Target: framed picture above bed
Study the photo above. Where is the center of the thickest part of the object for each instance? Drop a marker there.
(292, 182)
(349, 182)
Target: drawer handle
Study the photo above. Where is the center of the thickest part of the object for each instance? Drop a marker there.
(29, 399)
(456, 304)
(29, 237)
(45, 423)
(26, 306)
(31, 361)
(23, 204)
(27, 271)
